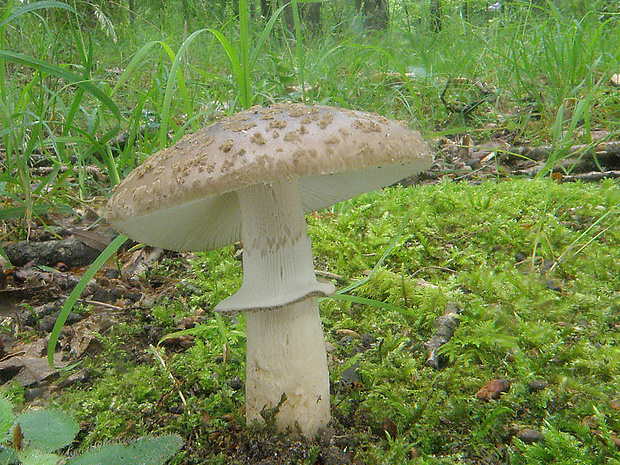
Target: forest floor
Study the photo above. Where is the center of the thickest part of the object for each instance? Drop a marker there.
(112, 342)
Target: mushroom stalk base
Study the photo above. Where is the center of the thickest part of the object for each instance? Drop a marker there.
(287, 378)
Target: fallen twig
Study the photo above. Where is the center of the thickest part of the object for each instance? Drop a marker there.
(100, 304)
(445, 327)
(592, 176)
(165, 367)
(328, 275)
(604, 148)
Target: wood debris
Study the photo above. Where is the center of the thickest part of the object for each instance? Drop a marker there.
(445, 326)
(460, 157)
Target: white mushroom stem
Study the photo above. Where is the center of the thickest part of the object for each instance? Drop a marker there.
(277, 253)
(287, 374)
(286, 356)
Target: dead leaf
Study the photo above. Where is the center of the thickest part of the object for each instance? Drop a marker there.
(29, 366)
(464, 148)
(390, 427)
(392, 78)
(348, 333)
(86, 332)
(493, 389)
(140, 261)
(351, 377)
(93, 239)
(183, 341)
(530, 436)
(425, 284)
(536, 385)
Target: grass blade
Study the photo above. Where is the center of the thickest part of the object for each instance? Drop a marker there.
(373, 303)
(244, 44)
(133, 64)
(175, 73)
(73, 78)
(265, 35)
(386, 253)
(5, 256)
(232, 56)
(77, 291)
(29, 7)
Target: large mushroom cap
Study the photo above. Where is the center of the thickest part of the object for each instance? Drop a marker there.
(183, 197)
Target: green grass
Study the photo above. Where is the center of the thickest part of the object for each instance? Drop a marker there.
(549, 69)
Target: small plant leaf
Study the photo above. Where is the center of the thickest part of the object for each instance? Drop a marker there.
(493, 389)
(47, 430)
(175, 74)
(36, 457)
(7, 456)
(6, 416)
(147, 450)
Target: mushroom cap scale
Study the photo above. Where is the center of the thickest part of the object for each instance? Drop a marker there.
(184, 197)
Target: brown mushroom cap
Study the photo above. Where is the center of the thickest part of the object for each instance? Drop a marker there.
(183, 197)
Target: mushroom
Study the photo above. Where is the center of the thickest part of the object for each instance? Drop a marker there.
(252, 177)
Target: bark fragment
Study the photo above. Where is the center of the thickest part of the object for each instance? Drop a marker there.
(77, 250)
(445, 327)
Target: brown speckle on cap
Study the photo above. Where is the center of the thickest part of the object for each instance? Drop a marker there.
(366, 151)
(227, 145)
(297, 154)
(257, 138)
(238, 123)
(307, 119)
(297, 112)
(292, 136)
(367, 125)
(326, 120)
(332, 139)
(277, 124)
(235, 126)
(262, 160)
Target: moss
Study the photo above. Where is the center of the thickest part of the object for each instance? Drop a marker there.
(489, 248)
